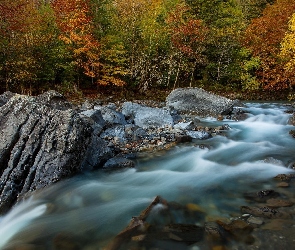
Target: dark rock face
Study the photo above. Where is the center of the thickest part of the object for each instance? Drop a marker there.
(4, 98)
(198, 101)
(42, 141)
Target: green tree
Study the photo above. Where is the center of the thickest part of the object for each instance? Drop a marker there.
(225, 23)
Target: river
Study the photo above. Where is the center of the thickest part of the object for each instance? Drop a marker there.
(211, 175)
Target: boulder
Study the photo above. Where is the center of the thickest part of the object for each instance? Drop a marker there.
(198, 101)
(97, 154)
(96, 117)
(111, 116)
(115, 132)
(42, 141)
(146, 117)
(4, 98)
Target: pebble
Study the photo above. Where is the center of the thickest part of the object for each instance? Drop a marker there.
(283, 184)
(255, 221)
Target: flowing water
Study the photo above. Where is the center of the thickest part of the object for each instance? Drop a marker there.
(91, 209)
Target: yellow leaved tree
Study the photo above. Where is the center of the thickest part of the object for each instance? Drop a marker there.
(288, 46)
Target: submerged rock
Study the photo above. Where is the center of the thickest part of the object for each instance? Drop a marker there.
(255, 220)
(239, 230)
(199, 101)
(265, 212)
(274, 203)
(261, 196)
(143, 229)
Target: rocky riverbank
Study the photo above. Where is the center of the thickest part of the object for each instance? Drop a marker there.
(45, 139)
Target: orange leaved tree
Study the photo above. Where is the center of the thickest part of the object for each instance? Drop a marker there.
(76, 31)
(264, 36)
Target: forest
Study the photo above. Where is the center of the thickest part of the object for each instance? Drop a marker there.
(71, 45)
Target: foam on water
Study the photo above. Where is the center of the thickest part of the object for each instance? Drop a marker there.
(255, 150)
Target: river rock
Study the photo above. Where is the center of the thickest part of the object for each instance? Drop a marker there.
(198, 101)
(185, 125)
(201, 135)
(42, 141)
(239, 230)
(95, 115)
(283, 184)
(261, 196)
(146, 117)
(119, 162)
(292, 120)
(265, 212)
(274, 203)
(111, 116)
(116, 132)
(181, 138)
(284, 177)
(215, 232)
(97, 153)
(255, 220)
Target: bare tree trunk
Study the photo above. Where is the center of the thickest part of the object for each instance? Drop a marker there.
(177, 74)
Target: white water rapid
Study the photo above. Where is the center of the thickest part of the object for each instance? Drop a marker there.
(93, 208)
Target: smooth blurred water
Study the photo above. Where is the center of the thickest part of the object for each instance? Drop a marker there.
(94, 207)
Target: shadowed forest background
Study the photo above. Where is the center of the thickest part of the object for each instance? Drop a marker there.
(88, 46)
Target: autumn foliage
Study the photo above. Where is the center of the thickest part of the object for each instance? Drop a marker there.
(264, 36)
(70, 44)
(75, 26)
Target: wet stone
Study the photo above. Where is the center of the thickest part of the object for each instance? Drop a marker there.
(283, 184)
(215, 232)
(119, 162)
(239, 230)
(274, 203)
(66, 242)
(182, 138)
(255, 220)
(265, 212)
(285, 177)
(183, 232)
(261, 196)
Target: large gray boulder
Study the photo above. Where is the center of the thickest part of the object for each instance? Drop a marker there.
(146, 117)
(42, 141)
(198, 101)
(111, 116)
